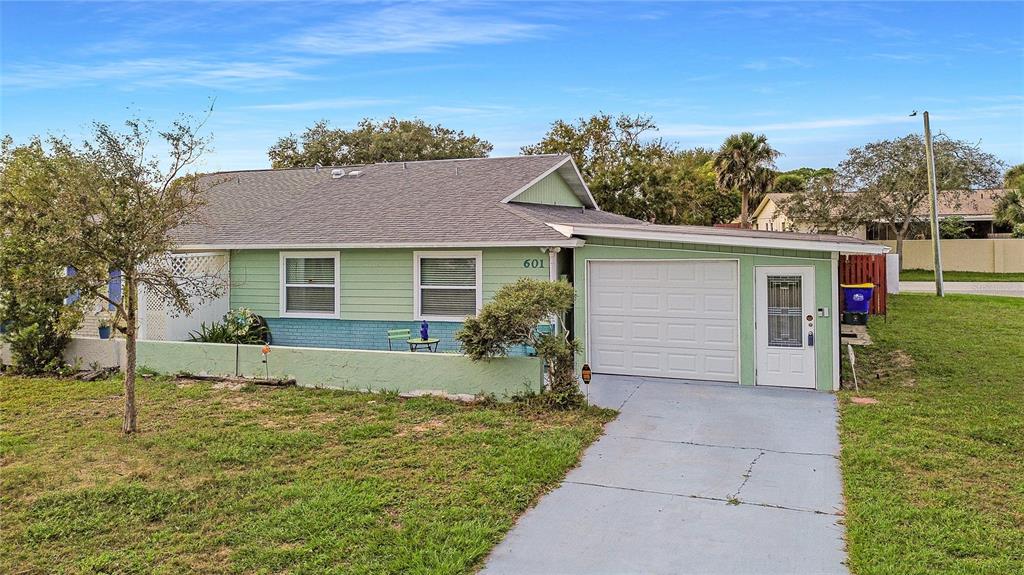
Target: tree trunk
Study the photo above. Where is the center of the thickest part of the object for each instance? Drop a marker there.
(900, 236)
(744, 215)
(130, 423)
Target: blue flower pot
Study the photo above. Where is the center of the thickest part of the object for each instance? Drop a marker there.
(105, 332)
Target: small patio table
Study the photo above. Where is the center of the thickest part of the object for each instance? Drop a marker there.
(418, 342)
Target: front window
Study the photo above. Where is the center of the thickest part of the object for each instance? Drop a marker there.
(448, 285)
(309, 284)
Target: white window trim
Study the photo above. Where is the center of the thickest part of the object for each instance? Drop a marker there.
(417, 256)
(283, 294)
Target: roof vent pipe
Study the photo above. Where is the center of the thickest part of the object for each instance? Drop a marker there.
(337, 174)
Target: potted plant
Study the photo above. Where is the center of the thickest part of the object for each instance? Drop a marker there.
(104, 325)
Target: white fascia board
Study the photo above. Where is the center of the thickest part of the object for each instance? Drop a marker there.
(566, 243)
(683, 237)
(586, 188)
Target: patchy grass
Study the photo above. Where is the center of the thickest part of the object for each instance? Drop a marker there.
(267, 480)
(928, 275)
(934, 471)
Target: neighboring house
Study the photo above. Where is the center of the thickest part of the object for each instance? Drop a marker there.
(336, 257)
(976, 208)
(769, 216)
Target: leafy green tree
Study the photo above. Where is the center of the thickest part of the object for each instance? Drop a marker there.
(1014, 177)
(1010, 207)
(511, 318)
(108, 205)
(789, 184)
(628, 173)
(746, 162)
(370, 142)
(890, 178)
(698, 200)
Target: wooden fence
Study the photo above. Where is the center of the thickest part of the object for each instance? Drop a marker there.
(865, 269)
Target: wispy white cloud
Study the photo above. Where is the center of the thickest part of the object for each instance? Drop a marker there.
(153, 72)
(325, 104)
(700, 130)
(406, 28)
(777, 63)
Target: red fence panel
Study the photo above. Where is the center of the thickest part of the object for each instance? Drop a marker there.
(861, 269)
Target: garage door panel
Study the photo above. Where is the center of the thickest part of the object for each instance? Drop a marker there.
(720, 335)
(724, 304)
(643, 331)
(665, 318)
(645, 302)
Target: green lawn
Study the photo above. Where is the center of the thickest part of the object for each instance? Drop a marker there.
(267, 480)
(949, 276)
(934, 472)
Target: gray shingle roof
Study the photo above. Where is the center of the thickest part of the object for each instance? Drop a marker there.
(430, 202)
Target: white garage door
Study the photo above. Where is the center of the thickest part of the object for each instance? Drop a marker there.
(665, 318)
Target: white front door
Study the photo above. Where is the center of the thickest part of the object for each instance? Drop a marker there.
(785, 326)
(665, 318)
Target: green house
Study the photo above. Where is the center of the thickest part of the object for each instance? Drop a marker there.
(337, 257)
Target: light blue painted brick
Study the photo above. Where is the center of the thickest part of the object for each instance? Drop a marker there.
(360, 334)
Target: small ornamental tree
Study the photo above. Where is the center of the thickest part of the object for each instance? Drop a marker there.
(108, 207)
(512, 318)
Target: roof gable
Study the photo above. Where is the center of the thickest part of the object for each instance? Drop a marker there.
(571, 176)
(550, 190)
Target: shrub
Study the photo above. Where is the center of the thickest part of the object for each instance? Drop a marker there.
(238, 326)
(1018, 231)
(512, 319)
(954, 228)
(38, 329)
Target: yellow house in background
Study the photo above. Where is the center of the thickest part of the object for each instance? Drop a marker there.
(768, 216)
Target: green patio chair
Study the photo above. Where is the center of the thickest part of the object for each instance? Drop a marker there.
(401, 335)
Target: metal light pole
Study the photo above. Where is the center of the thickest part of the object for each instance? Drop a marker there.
(933, 196)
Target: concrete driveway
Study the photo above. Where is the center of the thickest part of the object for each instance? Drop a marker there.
(692, 478)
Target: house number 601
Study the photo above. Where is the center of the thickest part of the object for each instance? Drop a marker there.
(534, 263)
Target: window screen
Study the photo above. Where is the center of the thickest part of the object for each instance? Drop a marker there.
(309, 285)
(448, 286)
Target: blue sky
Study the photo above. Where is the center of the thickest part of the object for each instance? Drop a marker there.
(816, 78)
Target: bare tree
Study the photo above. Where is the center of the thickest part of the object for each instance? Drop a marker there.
(110, 206)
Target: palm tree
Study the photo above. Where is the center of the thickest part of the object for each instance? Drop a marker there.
(745, 162)
(1010, 207)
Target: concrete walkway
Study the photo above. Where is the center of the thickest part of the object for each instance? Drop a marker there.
(692, 478)
(1011, 289)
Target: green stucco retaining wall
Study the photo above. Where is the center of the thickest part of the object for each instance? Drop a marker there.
(349, 369)
(748, 258)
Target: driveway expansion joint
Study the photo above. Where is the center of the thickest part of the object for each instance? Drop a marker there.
(726, 500)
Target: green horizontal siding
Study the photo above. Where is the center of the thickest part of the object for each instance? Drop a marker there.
(506, 265)
(551, 190)
(376, 284)
(254, 281)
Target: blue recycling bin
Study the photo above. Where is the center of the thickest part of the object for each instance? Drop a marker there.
(857, 297)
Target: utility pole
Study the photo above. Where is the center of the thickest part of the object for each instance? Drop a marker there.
(933, 196)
